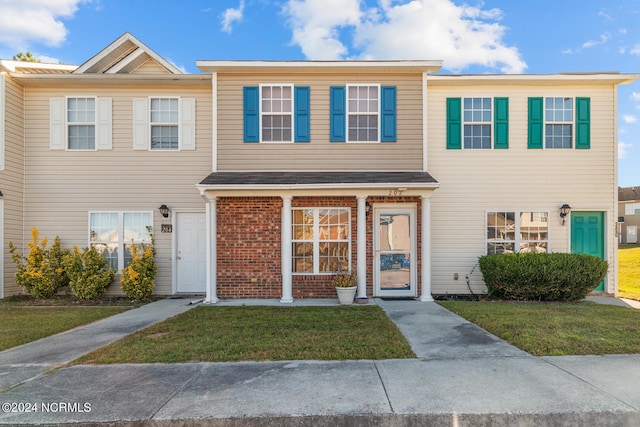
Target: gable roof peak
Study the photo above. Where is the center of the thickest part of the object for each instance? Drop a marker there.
(125, 55)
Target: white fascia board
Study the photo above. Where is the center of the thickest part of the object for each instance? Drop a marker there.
(253, 66)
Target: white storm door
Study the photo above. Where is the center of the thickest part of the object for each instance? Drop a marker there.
(632, 234)
(191, 252)
(395, 252)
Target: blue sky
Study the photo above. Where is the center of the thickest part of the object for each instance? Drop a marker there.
(490, 36)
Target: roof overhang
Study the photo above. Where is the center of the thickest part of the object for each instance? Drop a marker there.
(590, 78)
(35, 67)
(113, 79)
(407, 66)
(241, 184)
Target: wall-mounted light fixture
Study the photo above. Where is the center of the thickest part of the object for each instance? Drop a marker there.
(564, 211)
(164, 210)
(367, 209)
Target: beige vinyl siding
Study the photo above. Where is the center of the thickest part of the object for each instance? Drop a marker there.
(150, 67)
(319, 154)
(62, 187)
(11, 178)
(473, 182)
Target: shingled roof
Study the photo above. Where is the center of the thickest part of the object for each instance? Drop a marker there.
(320, 178)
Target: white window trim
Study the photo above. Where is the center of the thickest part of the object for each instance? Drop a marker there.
(142, 124)
(490, 123)
(517, 241)
(349, 113)
(316, 240)
(94, 123)
(293, 110)
(552, 122)
(120, 230)
(632, 207)
(152, 124)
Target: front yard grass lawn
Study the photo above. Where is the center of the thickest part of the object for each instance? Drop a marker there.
(22, 320)
(556, 329)
(629, 271)
(258, 333)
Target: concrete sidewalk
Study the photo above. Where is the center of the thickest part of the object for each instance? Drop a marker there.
(463, 376)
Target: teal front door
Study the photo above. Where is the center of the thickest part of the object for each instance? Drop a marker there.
(587, 235)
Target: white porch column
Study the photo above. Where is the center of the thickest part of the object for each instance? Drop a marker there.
(285, 249)
(212, 258)
(361, 248)
(425, 241)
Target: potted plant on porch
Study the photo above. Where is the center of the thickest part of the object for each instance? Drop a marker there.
(346, 285)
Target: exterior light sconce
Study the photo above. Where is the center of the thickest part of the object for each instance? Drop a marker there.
(164, 210)
(367, 209)
(564, 211)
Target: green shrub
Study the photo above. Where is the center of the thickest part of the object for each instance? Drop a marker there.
(541, 276)
(137, 279)
(41, 273)
(89, 273)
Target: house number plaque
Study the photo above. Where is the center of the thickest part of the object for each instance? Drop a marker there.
(166, 228)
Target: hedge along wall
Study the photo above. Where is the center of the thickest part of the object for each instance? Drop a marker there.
(542, 277)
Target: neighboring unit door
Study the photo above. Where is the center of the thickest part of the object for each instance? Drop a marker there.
(587, 235)
(191, 252)
(632, 234)
(395, 252)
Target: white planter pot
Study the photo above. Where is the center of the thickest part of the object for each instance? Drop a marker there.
(346, 295)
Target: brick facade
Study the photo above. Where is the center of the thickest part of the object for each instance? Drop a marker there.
(248, 246)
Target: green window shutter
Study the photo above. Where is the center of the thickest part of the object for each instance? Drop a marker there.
(501, 123)
(583, 123)
(388, 114)
(301, 116)
(536, 122)
(454, 124)
(338, 101)
(251, 107)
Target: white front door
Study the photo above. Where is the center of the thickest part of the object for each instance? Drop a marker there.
(632, 234)
(395, 251)
(191, 252)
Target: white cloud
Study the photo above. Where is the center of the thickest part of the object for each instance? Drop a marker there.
(231, 15)
(635, 50)
(635, 96)
(316, 23)
(629, 118)
(603, 39)
(404, 29)
(35, 20)
(623, 150)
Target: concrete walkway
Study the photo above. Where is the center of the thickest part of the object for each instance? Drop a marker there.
(463, 376)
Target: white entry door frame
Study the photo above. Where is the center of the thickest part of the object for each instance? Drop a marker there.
(395, 241)
(189, 250)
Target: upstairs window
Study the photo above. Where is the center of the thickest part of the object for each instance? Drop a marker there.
(276, 113)
(363, 105)
(477, 122)
(81, 123)
(559, 123)
(632, 209)
(558, 128)
(164, 124)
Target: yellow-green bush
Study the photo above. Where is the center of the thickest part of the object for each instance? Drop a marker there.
(138, 278)
(89, 273)
(42, 272)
